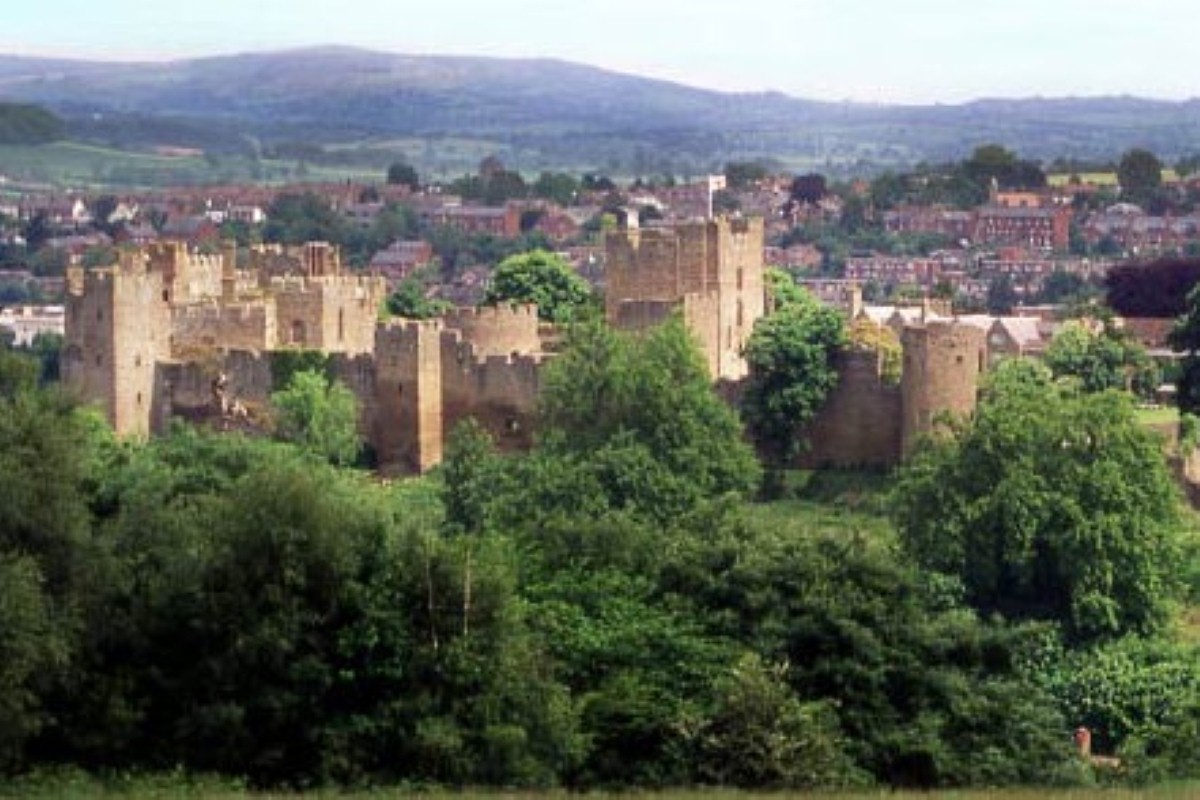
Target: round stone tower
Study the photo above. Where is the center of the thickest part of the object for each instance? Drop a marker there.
(942, 364)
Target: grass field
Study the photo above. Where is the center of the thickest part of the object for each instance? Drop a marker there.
(75, 165)
(1108, 179)
(1159, 416)
(78, 787)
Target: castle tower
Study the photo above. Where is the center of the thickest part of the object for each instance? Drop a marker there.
(942, 364)
(408, 394)
(188, 277)
(321, 260)
(712, 271)
(117, 328)
(336, 314)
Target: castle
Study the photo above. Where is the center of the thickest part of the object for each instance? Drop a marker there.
(170, 332)
(710, 271)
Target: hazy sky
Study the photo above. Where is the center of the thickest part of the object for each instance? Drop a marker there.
(872, 50)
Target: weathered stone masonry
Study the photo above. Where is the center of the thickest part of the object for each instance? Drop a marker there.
(147, 338)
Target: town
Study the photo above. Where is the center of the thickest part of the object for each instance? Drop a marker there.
(760, 480)
(156, 295)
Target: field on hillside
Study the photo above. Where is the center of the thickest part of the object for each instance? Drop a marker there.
(75, 165)
(1099, 178)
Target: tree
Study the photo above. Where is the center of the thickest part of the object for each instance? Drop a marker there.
(791, 355)
(809, 189)
(1186, 337)
(925, 692)
(992, 162)
(558, 187)
(319, 415)
(760, 735)
(542, 278)
(1101, 359)
(401, 173)
(1061, 286)
(591, 182)
(1001, 295)
(300, 218)
(888, 191)
(1158, 289)
(1139, 173)
(412, 297)
(639, 417)
(867, 335)
(469, 473)
(32, 644)
(1051, 504)
(23, 124)
(742, 174)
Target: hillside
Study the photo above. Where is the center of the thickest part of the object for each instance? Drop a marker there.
(366, 107)
(27, 124)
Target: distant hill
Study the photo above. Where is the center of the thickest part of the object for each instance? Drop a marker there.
(540, 113)
(22, 124)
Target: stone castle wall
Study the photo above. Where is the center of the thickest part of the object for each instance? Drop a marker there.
(185, 387)
(429, 376)
(860, 423)
(499, 391)
(740, 293)
(144, 357)
(333, 314)
(702, 317)
(867, 422)
(232, 326)
(497, 330)
(188, 276)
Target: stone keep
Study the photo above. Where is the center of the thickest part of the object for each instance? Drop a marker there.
(710, 271)
(117, 329)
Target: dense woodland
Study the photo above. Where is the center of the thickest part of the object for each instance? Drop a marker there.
(615, 608)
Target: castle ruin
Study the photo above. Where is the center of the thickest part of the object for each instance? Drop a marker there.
(170, 332)
(710, 271)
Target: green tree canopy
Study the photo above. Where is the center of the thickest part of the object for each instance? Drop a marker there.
(412, 297)
(791, 354)
(742, 174)
(1139, 173)
(1051, 504)
(559, 187)
(401, 173)
(542, 278)
(1186, 336)
(1103, 358)
(993, 162)
(1001, 295)
(299, 218)
(620, 403)
(319, 415)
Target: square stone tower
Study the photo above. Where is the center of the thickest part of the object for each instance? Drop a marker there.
(710, 271)
(118, 326)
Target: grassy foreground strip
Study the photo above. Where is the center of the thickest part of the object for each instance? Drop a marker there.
(75, 785)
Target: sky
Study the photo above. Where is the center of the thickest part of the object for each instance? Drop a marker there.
(892, 51)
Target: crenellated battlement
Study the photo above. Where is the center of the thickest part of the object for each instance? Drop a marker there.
(502, 312)
(497, 330)
(304, 283)
(213, 310)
